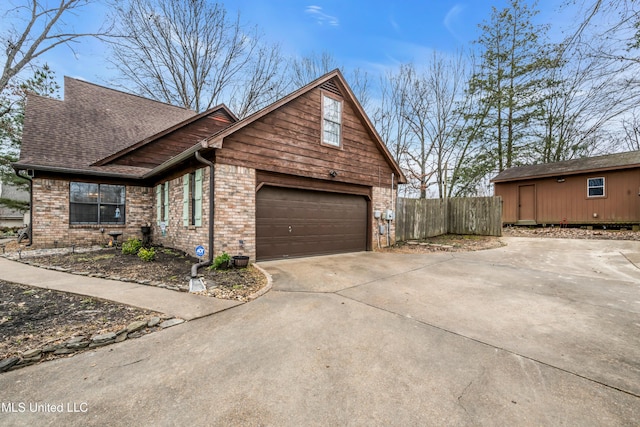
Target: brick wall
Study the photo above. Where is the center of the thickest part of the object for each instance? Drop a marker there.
(235, 210)
(381, 201)
(234, 218)
(51, 226)
(177, 235)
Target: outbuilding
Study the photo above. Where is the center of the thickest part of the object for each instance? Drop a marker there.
(303, 176)
(603, 190)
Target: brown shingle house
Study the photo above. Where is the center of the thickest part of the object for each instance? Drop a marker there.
(300, 177)
(603, 190)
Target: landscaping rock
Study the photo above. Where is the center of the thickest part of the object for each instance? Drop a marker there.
(153, 322)
(121, 337)
(32, 353)
(171, 322)
(103, 338)
(6, 364)
(77, 345)
(75, 340)
(136, 326)
(64, 350)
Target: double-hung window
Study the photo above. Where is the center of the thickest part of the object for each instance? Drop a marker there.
(331, 121)
(91, 203)
(192, 199)
(595, 187)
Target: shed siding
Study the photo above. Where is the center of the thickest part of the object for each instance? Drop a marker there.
(287, 141)
(567, 201)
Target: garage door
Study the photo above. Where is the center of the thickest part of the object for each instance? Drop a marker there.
(291, 223)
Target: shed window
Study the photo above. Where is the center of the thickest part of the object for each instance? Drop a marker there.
(595, 187)
(91, 203)
(331, 121)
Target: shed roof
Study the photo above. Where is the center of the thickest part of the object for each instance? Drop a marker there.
(91, 123)
(616, 161)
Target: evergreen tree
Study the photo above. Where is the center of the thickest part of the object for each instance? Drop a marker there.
(511, 79)
(13, 99)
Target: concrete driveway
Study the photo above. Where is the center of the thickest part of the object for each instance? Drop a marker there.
(540, 332)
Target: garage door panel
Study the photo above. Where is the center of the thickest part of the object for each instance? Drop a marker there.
(291, 222)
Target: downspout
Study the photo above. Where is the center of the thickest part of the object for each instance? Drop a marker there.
(393, 208)
(195, 267)
(28, 178)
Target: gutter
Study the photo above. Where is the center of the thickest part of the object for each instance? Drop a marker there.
(28, 178)
(195, 267)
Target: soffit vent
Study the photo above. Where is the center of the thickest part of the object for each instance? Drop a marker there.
(331, 86)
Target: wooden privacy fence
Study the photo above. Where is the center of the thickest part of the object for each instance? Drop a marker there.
(422, 218)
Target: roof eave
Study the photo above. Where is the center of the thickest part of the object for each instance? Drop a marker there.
(565, 173)
(71, 171)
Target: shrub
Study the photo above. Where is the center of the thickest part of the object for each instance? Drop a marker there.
(147, 254)
(221, 261)
(131, 246)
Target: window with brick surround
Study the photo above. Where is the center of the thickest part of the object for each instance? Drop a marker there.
(162, 203)
(331, 121)
(192, 199)
(91, 203)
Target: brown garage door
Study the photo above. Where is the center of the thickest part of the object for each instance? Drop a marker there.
(291, 222)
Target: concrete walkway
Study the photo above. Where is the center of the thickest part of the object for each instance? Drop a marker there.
(177, 304)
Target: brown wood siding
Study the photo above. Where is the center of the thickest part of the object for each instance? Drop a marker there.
(567, 201)
(287, 141)
(158, 151)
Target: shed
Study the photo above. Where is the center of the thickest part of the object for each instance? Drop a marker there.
(602, 190)
(300, 177)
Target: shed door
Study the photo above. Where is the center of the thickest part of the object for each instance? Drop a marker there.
(527, 203)
(292, 222)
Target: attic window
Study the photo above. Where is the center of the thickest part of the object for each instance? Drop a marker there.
(595, 187)
(331, 121)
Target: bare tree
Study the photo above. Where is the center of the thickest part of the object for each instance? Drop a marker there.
(35, 28)
(305, 69)
(191, 53)
(263, 83)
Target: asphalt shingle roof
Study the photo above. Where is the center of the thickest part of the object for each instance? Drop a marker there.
(91, 123)
(569, 167)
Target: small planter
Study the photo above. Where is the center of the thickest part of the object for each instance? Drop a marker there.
(240, 261)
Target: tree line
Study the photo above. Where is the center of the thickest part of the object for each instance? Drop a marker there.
(513, 98)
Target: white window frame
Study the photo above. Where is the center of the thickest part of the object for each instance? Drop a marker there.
(328, 120)
(590, 186)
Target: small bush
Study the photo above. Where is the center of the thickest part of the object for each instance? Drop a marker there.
(221, 261)
(131, 246)
(147, 254)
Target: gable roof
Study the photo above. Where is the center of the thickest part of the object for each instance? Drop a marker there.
(616, 161)
(91, 123)
(216, 140)
(217, 110)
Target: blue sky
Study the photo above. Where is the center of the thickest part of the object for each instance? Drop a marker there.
(374, 35)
